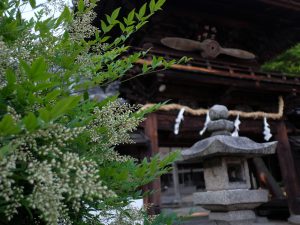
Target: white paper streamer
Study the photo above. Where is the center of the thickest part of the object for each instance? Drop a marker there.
(237, 123)
(207, 120)
(267, 131)
(178, 121)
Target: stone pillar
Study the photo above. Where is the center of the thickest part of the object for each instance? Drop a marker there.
(176, 183)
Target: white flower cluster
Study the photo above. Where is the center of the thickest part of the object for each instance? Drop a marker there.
(11, 111)
(4, 62)
(117, 120)
(26, 48)
(8, 191)
(46, 195)
(69, 179)
(82, 27)
(54, 6)
(121, 217)
(58, 179)
(57, 135)
(109, 155)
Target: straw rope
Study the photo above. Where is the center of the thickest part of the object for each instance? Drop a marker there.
(200, 112)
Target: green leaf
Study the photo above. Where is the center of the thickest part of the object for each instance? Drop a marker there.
(154, 62)
(184, 59)
(19, 16)
(130, 16)
(104, 39)
(115, 14)
(64, 16)
(11, 86)
(145, 68)
(63, 106)
(32, 3)
(10, 77)
(44, 85)
(140, 25)
(109, 28)
(104, 27)
(142, 10)
(25, 66)
(109, 20)
(8, 126)
(152, 6)
(86, 95)
(5, 150)
(144, 112)
(21, 92)
(107, 100)
(44, 114)
(38, 66)
(81, 5)
(159, 4)
(30, 121)
(122, 27)
(52, 95)
(46, 27)
(37, 71)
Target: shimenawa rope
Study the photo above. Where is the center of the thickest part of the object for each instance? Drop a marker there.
(200, 112)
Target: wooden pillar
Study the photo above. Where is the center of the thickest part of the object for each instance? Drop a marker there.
(288, 170)
(151, 132)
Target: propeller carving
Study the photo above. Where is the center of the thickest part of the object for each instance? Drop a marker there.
(210, 48)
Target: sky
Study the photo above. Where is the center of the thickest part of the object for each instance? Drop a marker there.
(28, 12)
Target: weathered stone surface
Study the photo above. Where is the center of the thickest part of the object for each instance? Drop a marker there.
(294, 219)
(240, 217)
(260, 219)
(216, 174)
(220, 125)
(233, 207)
(221, 132)
(233, 215)
(226, 171)
(226, 145)
(226, 200)
(218, 112)
(244, 222)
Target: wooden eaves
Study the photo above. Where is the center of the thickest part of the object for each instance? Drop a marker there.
(287, 4)
(241, 75)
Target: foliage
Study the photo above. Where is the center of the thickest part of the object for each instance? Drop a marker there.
(288, 62)
(168, 219)
(57, 159)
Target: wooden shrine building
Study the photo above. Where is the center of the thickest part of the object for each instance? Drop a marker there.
(265, 28)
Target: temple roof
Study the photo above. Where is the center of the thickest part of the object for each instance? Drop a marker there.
(264, 27)
(221, 145)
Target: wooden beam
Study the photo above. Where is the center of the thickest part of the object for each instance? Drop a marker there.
(266, 179)
(288, 170)
(292, 5)
(226, 72)
(151, 132)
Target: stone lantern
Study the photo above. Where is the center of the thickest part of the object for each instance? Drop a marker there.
(228, 195)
